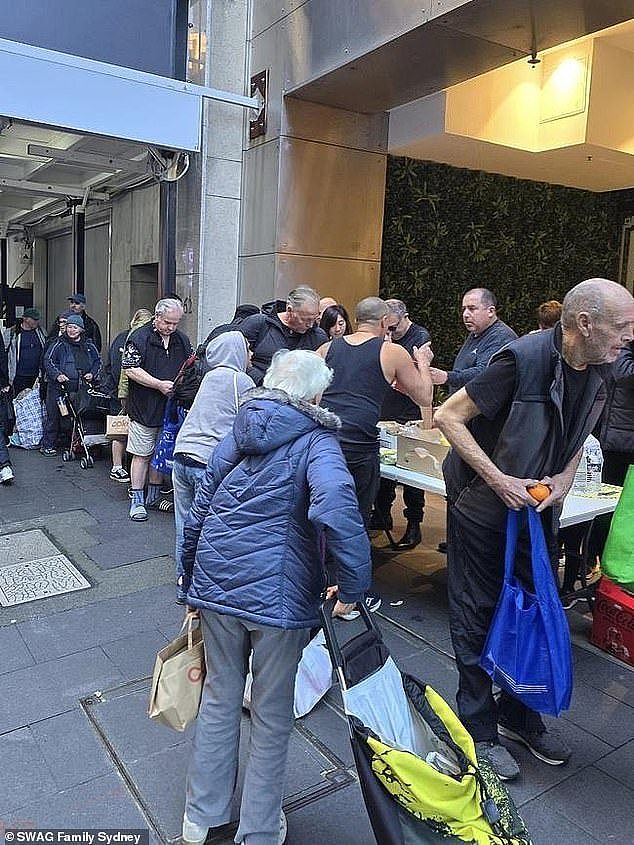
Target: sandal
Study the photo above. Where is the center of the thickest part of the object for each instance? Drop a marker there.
(138, 513)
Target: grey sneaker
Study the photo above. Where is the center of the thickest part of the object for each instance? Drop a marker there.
(283, 829)
(6, 475)
(501, 761)
(193, 834)
(547, 745)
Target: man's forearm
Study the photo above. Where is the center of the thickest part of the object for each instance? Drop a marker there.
(141, 376)
(465, 445)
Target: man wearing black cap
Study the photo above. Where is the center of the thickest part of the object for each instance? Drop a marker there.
(77, 304)
(24, 350)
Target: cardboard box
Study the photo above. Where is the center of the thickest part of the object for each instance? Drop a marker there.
(613, 622)
(387, 434)
(421, 450)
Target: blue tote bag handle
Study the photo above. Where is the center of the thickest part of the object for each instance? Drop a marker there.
(527, 651)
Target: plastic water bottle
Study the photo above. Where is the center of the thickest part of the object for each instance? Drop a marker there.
(594, 463)
(588, 474)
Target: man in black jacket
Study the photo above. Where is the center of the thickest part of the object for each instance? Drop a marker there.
(77, 304)
(152, 357)
(487, 334)
(523, 420)
(292, 328)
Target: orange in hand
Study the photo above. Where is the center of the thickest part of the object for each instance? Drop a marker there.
(539, 492)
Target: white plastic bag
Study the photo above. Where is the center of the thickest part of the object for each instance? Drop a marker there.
(313, 679)
(29, 417)
(314, 675)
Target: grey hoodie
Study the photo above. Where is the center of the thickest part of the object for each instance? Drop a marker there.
(215, 406)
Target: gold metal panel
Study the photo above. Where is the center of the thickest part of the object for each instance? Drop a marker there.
(330, 200)
(315, 122)
(260, 197)
(345, 280)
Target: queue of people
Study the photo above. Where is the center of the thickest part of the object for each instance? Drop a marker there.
(276, 476)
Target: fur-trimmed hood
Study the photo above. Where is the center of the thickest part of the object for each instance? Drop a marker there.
(269, 418)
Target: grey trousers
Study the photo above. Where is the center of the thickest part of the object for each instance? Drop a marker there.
(213, 769)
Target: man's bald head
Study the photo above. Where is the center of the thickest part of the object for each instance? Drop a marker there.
(326, 302)
(371, 310)
(597, 318)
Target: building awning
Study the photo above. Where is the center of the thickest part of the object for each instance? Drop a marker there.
(57, 89)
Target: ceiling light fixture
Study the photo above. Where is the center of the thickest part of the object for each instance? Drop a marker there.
(533, 59)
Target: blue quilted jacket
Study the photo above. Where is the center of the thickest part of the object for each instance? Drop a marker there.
(275, 492)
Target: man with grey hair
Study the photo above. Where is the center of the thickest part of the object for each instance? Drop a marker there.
(292, 328)
(153, 355)
(487, 334)
(523, 420)
(364, 367)
(399, 407)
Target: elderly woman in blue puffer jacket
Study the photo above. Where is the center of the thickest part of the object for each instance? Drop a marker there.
(276, 492)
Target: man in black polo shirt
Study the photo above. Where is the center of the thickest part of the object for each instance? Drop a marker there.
(152, 357)
(399, 407)
(293, 328)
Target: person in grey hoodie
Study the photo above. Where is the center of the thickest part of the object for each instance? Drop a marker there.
(209, 419)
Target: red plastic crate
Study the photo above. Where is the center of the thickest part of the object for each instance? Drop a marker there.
(613, 623)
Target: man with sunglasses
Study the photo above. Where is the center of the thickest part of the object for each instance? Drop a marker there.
(399, 407)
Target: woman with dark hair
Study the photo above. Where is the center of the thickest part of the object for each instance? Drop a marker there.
(335, 321)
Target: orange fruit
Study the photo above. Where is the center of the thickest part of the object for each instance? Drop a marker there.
(539, 492)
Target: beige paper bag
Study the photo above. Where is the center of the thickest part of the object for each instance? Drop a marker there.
(177, 682)
(117, 426)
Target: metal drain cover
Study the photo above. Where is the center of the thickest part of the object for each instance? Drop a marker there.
(32, 567)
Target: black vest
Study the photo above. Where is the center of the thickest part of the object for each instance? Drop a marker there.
(531, 442)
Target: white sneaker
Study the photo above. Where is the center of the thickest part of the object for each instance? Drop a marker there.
(6, 475)
(193, 834)
(283, 829)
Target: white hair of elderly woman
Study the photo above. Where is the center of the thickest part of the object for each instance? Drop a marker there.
(298, 372)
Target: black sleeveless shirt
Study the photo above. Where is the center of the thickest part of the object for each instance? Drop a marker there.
(356, 392)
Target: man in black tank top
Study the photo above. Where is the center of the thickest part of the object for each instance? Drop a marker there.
(364, 367)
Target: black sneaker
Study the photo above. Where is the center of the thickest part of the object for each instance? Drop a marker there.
(166, 488)
(499, 758)
(372, 602)
(547, 745)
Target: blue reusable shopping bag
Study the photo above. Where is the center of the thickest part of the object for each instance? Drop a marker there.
(527, 651)
(163, 457)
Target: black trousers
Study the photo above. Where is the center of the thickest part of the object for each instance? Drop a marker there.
(366, 472)
(413, 497)
(475, 573)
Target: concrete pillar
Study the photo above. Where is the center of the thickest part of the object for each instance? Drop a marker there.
(313, 195)
(208, 216)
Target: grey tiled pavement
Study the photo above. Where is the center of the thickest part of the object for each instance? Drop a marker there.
(70, 759)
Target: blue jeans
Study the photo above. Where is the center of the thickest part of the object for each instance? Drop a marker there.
(186, 481)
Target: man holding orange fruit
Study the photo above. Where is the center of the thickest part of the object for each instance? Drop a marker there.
(517, 432)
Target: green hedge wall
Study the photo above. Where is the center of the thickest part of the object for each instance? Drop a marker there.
(447, 230)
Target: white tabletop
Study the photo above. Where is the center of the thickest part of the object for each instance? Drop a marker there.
(576, 508)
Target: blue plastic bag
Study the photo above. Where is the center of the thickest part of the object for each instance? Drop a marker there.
(527, 651)
(163, 457)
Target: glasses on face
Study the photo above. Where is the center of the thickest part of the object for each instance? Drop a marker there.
(392, 328)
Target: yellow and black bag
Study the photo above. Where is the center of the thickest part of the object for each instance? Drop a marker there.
(417, 767)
